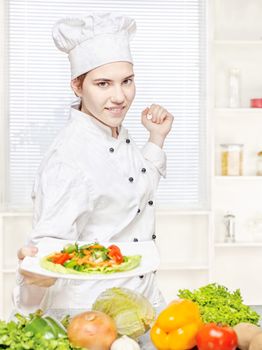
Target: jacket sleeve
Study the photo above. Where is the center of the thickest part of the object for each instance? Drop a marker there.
(62, 195)
(156, 160)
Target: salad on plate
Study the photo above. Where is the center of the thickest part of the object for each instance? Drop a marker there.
(93, 258)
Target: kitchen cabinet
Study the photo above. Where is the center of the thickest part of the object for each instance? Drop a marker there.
(235, 34)
(237, 43)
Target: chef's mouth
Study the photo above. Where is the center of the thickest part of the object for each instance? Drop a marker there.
(116, 112)
(115, 109)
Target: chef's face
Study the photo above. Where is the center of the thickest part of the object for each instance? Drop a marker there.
(107, 92)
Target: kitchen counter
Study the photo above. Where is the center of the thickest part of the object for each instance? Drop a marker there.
(144, 341)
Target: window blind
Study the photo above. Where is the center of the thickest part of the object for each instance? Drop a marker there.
(169, 52)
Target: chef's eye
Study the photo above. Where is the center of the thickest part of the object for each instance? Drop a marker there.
(103, 84)
(128, 81)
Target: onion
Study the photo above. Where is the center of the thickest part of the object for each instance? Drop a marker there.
(93, 330)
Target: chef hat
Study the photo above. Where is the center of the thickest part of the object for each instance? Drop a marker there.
(93, 40)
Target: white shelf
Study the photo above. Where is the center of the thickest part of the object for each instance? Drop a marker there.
(239, 245)
(238, 178)
(177, 267)
(15, 213)
(162, 211)
(238, 42)
(238, 111)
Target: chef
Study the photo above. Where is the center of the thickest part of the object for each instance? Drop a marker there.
(94, 183)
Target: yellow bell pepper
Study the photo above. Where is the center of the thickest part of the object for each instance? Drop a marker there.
(177, 326)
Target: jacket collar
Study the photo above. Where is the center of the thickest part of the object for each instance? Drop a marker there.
(94, 124)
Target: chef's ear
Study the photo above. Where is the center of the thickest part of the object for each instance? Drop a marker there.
(76, 86)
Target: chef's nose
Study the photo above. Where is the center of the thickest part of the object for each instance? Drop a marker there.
(118, 95)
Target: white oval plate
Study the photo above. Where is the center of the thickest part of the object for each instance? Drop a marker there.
(147, 249)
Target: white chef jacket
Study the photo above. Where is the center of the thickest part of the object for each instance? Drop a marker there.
(93, 187)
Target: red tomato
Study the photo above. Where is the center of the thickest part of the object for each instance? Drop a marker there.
(114, 247)
(115, 253)
(60, 258)
(212, 336)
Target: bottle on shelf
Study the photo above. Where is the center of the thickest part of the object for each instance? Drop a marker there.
(231, 159)
(234, 88)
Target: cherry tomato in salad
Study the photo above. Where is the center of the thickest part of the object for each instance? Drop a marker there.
(60, 258)
(115, 253)
(114, 247)
(214, 337)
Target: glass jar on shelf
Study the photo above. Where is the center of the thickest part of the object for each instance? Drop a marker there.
(259, 163)
(232, 159)
(229, 221)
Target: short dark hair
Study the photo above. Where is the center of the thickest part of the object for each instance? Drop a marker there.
(80, 80)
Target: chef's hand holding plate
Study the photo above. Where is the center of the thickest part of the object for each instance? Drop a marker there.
(29, 277)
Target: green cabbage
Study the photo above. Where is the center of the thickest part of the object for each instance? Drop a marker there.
(131, 311)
